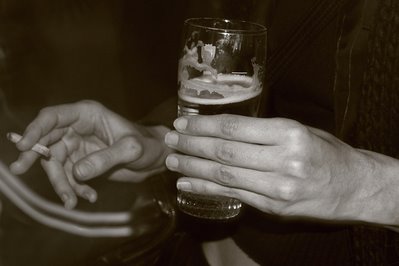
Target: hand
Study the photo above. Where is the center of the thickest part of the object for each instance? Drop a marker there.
(283, 167)
(87, 140)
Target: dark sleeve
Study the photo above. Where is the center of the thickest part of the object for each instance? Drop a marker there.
(163, 114)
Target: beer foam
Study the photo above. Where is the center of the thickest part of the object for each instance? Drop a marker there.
(228, 100)
(231, 89)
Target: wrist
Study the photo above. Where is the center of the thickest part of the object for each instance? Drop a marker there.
(381, 193)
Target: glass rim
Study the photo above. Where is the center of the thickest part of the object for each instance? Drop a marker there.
(258, 28)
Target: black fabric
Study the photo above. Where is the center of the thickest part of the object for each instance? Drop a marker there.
(305, 90)
(274, 241)
(315, 91)
(182, 250)
(24, 241)
(376, 127)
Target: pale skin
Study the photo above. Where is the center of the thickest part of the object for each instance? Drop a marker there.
(283, 167)
(276, 165)
(87, 140)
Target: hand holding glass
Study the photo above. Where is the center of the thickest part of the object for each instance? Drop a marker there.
(221, 70)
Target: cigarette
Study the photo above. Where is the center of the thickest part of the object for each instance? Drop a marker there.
(39, 148)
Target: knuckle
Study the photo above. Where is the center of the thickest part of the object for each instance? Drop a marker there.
(257, 157)
(225, 176)
(288, 191)
(46, 114)
(104, 159)
(225, 152)
(90, 104)
(185, 143)
(232, 193)
(297, 133)
(132, 148)
(35, 126)
(186, 164)
(229, 125)
(296, 167)
(45, 111)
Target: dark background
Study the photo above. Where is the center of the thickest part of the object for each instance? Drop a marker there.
(120, 53)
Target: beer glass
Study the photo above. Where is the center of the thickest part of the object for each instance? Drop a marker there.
(221, 70)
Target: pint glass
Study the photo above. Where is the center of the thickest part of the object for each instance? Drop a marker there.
(221, 70)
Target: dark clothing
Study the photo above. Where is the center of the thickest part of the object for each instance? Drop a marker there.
(273, 241)
(346, 82)
(304, 91)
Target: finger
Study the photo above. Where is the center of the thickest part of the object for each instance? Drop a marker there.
(268, 184)
(24, 162)
(59, 181)
(49, 118)
(143, 153)
(27, 158)
(123, 151)
(52, 137)
(205, 187)
(253, 156)
(270, 131)
(57, 176)
(82, 190)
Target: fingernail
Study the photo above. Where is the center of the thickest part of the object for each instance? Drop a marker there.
(69, 203)
(184, 185)
(91, 196)
(83, 170)
(64, 197)
(172, 162)
(171, 138)
(16, 168)
(180, 123)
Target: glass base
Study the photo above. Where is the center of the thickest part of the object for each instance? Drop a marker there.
(208, 207)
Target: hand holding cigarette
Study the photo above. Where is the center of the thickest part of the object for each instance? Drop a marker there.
(70, 201)
(41, 149)
(87, 140)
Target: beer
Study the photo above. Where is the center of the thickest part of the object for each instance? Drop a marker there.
(221, 68)
(209, 95)
(225, 94)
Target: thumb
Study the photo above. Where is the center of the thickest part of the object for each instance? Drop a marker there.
(123, 151)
